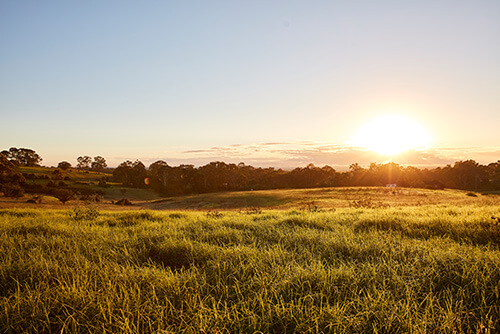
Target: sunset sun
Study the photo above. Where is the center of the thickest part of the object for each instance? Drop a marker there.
(391, 135)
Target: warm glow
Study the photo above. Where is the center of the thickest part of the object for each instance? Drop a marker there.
(391, 134)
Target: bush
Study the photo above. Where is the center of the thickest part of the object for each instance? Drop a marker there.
(36, 199)
(64, 165)
(123, 202)
(63, 195)
(91, 198)
(102, 183)
(57, 174)
(12, 190)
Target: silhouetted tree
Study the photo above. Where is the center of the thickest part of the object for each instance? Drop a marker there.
(99, 163)
(83, 162)
(64, 165)
(10, 178)
(23, 156)
(131, 174)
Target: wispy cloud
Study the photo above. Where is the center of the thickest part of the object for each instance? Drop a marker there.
(299, 154)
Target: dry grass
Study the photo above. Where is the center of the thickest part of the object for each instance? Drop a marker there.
(326, 198)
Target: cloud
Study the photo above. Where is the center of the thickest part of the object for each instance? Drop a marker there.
(300, 154)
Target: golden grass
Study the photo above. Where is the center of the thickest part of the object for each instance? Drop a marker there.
(404, 269)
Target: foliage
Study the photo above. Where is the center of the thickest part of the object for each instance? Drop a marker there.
(64, 165)
(63, 195)
(432, 269)
(218, 176)
(23, 156)
(9, 172)
(131, 174)
(83, 162)
(99, 163)
(123, 202)
(12, 190)
(57, 174)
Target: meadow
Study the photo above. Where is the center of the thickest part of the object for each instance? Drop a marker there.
(389, 268)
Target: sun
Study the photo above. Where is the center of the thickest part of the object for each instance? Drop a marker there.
(391, 134)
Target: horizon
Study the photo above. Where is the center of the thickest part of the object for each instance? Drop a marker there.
(279, 84)
(318, 155)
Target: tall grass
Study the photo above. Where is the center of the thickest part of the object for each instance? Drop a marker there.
(386, 270)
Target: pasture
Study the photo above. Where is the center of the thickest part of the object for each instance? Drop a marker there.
(430, 267)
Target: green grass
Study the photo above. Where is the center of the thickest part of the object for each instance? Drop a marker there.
(73, 173)
(427, 269)
(89, 180)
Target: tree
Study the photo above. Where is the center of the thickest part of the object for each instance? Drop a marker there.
(23, 156)
(99, 163)
(84, 162)
(10, 178)
(123, 173)
(64, 195)
(131, 174)
(64, 165)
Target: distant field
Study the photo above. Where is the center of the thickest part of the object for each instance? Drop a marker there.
(404, 269)
(88, 180)
(75, 174)
(322, 198)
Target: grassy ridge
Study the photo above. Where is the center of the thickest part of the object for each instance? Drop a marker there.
(386, 270)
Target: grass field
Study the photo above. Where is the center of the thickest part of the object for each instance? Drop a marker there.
(321, 197)
(427, 268)
(85, 180)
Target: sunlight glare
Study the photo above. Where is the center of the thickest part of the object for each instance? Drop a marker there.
(391, 135)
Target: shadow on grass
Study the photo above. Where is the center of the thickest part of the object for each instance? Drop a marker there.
(232, 200)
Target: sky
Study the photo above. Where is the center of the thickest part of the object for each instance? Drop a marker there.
(268, 83)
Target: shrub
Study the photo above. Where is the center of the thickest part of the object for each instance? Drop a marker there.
(91, 198)
(36, 199)
(102, 183)
(57, 174)
(63, 195)
(12, 190)
(64, 165)
(123, 202)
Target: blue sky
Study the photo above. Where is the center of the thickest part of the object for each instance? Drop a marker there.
(186, 81)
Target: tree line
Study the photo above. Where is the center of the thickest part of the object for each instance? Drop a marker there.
(220, 176)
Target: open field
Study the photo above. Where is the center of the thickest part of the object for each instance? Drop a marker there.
(282, 199)
(336, 197)
(84, 181)
(427, 268)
